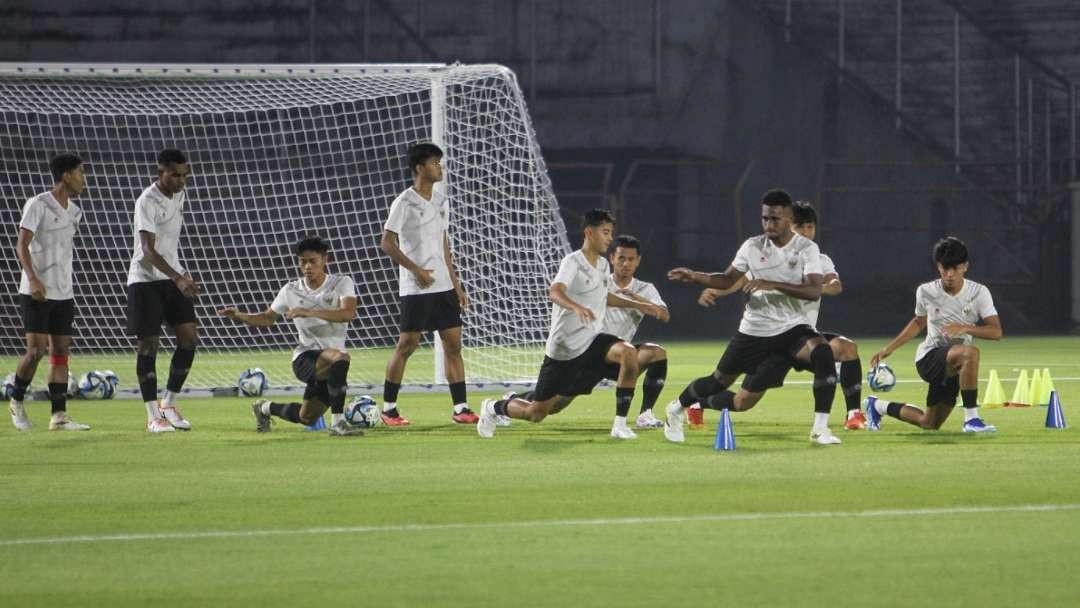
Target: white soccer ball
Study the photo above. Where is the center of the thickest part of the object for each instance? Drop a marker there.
(112, 381)
(252, 382)
(363, 412)
(9, 385)
(881, 378)
(93, 386)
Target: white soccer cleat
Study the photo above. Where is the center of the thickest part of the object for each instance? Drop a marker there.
(174, 417)
(824, 437)
(18, 416)
(342, 428)
(485, 426)
(159, 425)
(676, 418)
(502, 420)
(621, 431)
(62, 422)
(647, 420)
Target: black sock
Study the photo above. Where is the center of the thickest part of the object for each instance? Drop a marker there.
(655, 376)
(337, 385)
(286, 411)
(58, 396)
(21, 384)
(851, 383)
(720, 401)
(179, 368)
(145, 370)
(699, 390)
(390, 391)
(458, 393)
(500, 407)
(893, 409)
(969, 398)
(821, 359)
(623, 398)
(525, 396)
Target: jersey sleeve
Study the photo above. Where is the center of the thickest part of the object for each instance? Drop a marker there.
(811, 259)
(567, 270)
(920, 302)
(984, 303)
(32, 215)
(395, 221)
(652, 294)
(346, 289)
(144, 216)
(827, 266)
(742, 258)
(281, 302)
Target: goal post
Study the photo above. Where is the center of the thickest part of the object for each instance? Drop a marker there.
(279, 151)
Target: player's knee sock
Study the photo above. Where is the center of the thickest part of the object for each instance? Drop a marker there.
(655, 376)
(337, 385)
(851, 383)
(19, 392)
(58, 396)
(821, 360)
(458, 393)
(500, 407)
(971, 406)
(892, 409)
(286, 411)
(145, 370)
(724, 400)
(389, 395)
(179, 368)
(699, 390)
(623, 398)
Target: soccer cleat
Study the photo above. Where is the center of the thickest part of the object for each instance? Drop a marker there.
(174, 417)
(647, 420)
(465, 416)
(262, 421)
(485, 425)
(18, 416)
(676, 417)
(342, 428)
(976, 425)
(873, 418)
(395, 420)
(824, 437)
(696, 416)
(621, 431)
(159, 425)
(502, 420)
(62, 422)
(856, 421)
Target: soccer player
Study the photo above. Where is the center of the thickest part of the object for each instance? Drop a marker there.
(578, 354)
(159, 290)
(432, 298)
(47, 232)
(321, 306)
(785, 270)
(953, 310)
(845, 350)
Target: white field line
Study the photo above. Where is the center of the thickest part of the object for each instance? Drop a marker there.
(554, 523)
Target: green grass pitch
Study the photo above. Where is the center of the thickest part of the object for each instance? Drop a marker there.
(552, 514)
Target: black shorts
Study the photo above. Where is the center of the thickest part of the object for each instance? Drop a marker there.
(577, 376)
(303, 367)
(765, 360)
(430, 311)
(933, 367)
(53, 317)
(154, 302)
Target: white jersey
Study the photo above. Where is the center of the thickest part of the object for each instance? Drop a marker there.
(971, 304)
(623, 322)
(770, 312)
(316, 334)
(163, 216)
(52, 248)
(587, 286)
(421, 227)
(813, 307)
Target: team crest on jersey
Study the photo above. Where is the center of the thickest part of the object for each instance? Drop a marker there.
(792, 263)
(328, 300)
(967, 310)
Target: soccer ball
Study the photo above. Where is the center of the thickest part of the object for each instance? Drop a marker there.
(112, 380)
(363, 412)
(881, 378)
(252, 382)
(92, 385)
(9, 385)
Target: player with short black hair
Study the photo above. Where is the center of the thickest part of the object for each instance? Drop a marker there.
(416, 238)
(320, 305)
(784, 270)
(160, 291)
(953, 310)
(578, 354)
(45, 249)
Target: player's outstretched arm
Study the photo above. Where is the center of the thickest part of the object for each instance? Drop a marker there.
(709, 295)
(265, 318)
(346, 313)
(389, 245)
(557, 293)
(646, 307)
(914, 327)
(716, 280)
(22, 251)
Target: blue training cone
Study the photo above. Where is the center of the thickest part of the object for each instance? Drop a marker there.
(725, 438)
(320, 425)
(1055, 418)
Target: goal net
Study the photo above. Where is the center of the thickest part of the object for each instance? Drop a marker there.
(278, 152)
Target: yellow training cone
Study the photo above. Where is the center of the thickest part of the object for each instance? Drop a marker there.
(1047, 387)
(995, 394)
(1036, 387)
(1020, 395)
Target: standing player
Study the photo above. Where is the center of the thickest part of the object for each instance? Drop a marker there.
(47, 231)
(845, 351)
(432, 298)
(950, 309)
(321, 306)
(773, 335)
(159, 290)
(578, 354)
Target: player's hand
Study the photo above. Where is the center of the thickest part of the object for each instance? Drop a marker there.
(878, 358)
(955, 330)
(651, 309)
(757, 285)
(585, 314)
(297, 313)
(425, 277)
(708, 297)
(37, 289)
(463, 299)
(231, 313)
(188, 286)
(682, 275)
